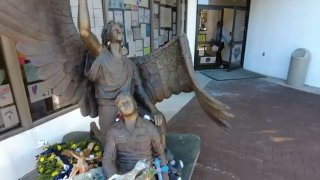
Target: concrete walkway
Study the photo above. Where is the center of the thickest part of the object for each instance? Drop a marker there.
(275, 135)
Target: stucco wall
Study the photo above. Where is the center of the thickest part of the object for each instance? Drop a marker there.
(277, 28)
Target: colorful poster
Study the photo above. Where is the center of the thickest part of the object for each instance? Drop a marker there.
(146, 50)
(135, 18)
(118, 16)
(5, 95)
(148, 30)
(127, 17)
(165, 17)
(38, 92)
(9, 117)
(116, 4)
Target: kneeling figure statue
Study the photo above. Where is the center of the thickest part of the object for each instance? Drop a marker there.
(130, 139)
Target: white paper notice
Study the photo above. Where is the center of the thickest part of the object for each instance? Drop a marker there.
(146, 16)
(156, 33)
(141, 15)
(139, 45)
(155, 8)
(118, 17)
(143, 30)
(146, 42)
(165, 17)
(9, 117)
(110, 16)
(127, 17)
(135, 18)
(161, 40)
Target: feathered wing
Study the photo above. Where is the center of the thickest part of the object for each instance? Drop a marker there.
(45, 34)
(169, 71)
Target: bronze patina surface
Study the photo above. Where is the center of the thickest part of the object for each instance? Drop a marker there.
(130, 139)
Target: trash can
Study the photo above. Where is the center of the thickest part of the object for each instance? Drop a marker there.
(300, 59)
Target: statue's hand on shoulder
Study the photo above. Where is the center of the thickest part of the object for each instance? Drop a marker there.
(158, 118)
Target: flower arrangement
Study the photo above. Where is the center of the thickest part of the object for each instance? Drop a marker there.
(57, 161)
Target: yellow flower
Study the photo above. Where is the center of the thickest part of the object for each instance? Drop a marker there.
(98, 154)
(52, 156)
(59, 147)
(55, 173)
(59, 163)
(41, 170)
(97, 148)
(42, 159)
(73, 146)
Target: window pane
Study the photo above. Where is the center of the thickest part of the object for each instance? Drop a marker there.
(242, 3)
(9, 117)
(41, 100)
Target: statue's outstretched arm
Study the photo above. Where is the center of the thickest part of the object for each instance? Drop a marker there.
(89, 39)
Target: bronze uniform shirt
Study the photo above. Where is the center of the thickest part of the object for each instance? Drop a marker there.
(123, 149)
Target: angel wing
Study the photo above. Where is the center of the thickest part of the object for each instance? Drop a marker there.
(169, 71)
(45, 33)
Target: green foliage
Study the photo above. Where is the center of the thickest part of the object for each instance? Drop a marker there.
(50, 165)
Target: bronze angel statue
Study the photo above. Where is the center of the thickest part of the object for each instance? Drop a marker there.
(80, 69)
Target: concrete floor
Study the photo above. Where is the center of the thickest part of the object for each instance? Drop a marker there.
(171, 106)
(275, 134)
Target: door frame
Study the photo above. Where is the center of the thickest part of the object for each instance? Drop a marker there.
(197, 65)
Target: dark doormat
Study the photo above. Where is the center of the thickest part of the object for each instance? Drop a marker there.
(223, 74)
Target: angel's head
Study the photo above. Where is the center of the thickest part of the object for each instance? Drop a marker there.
(112, 32)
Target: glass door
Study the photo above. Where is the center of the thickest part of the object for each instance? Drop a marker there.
(237, 39)
(220, 34)
(205, 52)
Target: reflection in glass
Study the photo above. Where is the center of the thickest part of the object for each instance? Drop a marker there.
(41, 100)
(9, 117)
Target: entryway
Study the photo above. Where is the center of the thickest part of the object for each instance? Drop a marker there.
(221, 34)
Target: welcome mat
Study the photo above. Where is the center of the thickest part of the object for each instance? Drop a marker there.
(223, 74)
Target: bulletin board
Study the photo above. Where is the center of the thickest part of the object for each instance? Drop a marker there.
(134, 17)
(165, 22)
